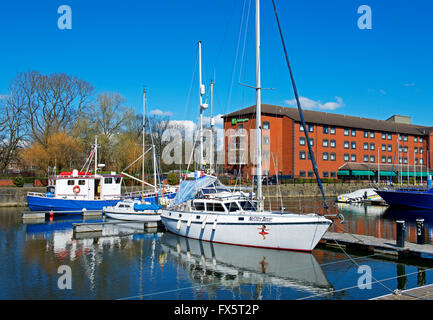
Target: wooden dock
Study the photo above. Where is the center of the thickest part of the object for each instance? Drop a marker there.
(419, 293)
(376, 245)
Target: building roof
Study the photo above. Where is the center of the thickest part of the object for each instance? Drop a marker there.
(333, 119)
(381, 167)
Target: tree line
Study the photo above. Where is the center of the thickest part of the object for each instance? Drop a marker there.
(49, 120)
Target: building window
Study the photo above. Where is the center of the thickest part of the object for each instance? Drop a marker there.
(353, 132)
(405, 138)
(365, 145)
(302, 141)
(266, 140)
(372, 159)
(400, 149)
(405, 149)
(383, 159)
(416, 149)
(400, 137)
(420, 139)
(389, 159)
(325, 174)
(353, 145)
(332, 144)
(302, 155)
(310, 174)
(346, 145)
(266, 125)
(389, 136)
(371, 134)
(353, 157)
(405, 159)
(421, 150)
(332, 130)
(325, 129)
(325, 156)
(383, 136)
(310, 128)
(301, 127)
(365, 158)
(81, 182)
(421, 161)
(365, 134)
(416, 160)
(390, 147)
(325, 142)
(302, 173)
(71, 182)
(333, 174)
(415, 139)
(333, 156)
(371, 146)
(383, 147)
(311, 141)
(346, 132)
(108, 180)
(346, 157)
(400, 160)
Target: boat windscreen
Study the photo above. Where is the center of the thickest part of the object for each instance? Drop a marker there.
(248, 205)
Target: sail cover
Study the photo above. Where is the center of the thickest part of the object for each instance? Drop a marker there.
(189, 188)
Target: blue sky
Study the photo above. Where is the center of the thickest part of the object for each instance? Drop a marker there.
(120, 46)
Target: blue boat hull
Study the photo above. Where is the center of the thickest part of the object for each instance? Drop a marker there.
(412, 199)
(67, 205)
(71, 206)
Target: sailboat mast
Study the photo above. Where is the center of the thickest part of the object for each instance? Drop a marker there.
(142, 154)
(96, 154)
(211, 129)
(258, 111)
(201, 93)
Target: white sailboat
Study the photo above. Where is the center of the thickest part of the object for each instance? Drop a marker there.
(239, 220)
(148, 208)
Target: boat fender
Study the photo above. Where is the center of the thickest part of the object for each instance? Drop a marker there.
(76, 189)
(214, 224)
(203, 225)
(179, 222)
(188, 224)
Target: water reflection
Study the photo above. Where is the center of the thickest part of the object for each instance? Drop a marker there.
(233, 266)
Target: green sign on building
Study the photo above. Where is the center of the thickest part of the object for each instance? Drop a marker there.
(234, 120)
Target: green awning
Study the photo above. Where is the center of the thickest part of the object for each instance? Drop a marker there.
(388, 173)
(343, 173)
(362, 173)
(416, 174)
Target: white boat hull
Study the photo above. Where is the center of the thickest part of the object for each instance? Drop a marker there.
(133, 216)
(268, 230)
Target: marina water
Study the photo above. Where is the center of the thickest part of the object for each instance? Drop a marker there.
(127, 262)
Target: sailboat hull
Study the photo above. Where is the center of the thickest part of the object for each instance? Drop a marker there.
(273, 230)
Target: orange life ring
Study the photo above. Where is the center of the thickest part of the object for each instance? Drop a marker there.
(76, 189)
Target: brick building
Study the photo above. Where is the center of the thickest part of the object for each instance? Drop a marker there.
(343, 146)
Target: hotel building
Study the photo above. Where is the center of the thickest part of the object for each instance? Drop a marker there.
(343, 146)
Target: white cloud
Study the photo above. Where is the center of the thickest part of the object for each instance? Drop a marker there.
(218, 120)
(158, 112)
(188, 125)
(409, 84)
(310, 104)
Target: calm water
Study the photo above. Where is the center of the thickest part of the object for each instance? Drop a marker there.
(128, 263)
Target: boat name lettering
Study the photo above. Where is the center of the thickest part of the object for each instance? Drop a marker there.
(261, 219)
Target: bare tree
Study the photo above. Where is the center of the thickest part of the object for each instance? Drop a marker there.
(52, 103)
(12, 130)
